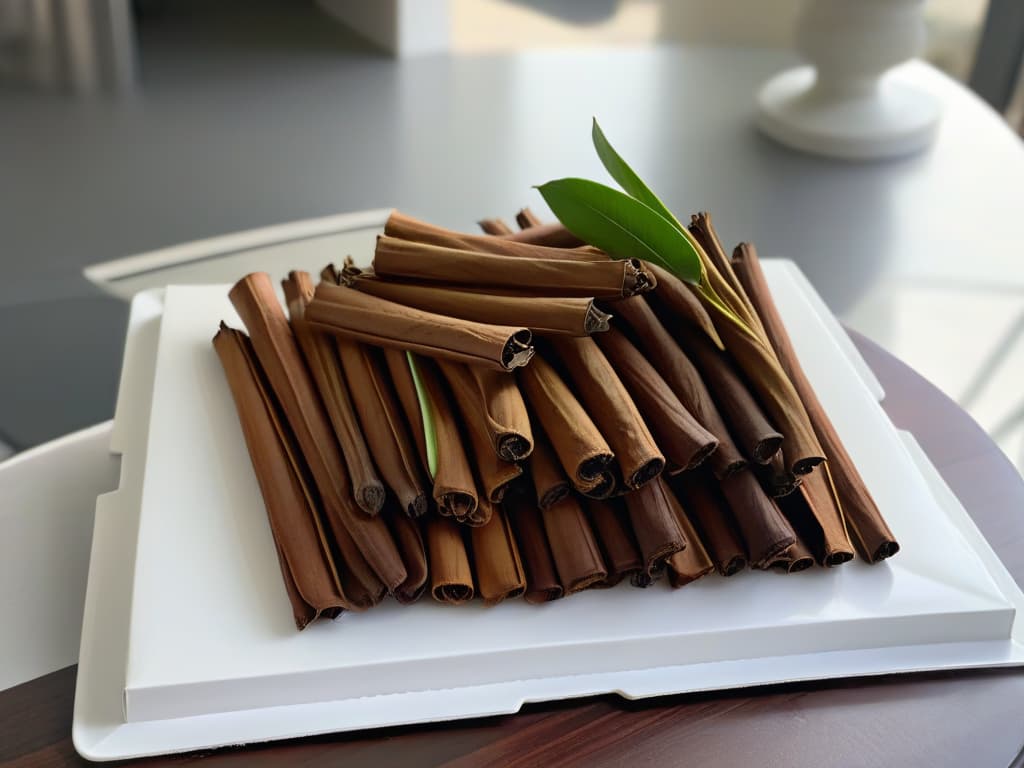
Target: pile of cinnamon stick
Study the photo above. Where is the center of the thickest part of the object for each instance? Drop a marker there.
(515, 413)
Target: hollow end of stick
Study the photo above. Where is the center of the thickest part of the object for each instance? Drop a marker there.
(885, 550)
(596, 320)
(453, 593)
(805, 465)
(518, 350)
(701, 455)
(838, 558)
(554, 495)
(590, 469)
(734, 566)
(647, 472)
(417, 507)
(800, 564)
(513, 447)
(371, 499)
(767, 448)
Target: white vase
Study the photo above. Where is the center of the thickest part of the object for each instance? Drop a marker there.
(848, 103)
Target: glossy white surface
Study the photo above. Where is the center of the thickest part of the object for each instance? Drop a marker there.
(208, 609)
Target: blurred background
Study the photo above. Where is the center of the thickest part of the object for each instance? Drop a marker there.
(132, 126)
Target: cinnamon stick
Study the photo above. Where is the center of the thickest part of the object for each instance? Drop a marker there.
(499, 570)
(795, 558)
(549, 481)
(527, 218)
(508, 423)
(322, 359)
(707, 509)
(683, 378)
(874, 540)
(454, 486)
(621, 555)
(813, 502)
(408, 260)
(542, 583)
(581, 449)
(681, 303)
(762, 526)
(685, 442)
(410, 543)
(552, 235)
(518, 244)
(493, 472)
(693, 562)
(303, 553)
(655, 524)
(604, 486)
(352, 314)
(705, 234)
(451, 579)
(607, 399)
(541, 314)
(573, 546)
(383, 424)
(756, 437)
(495, 227)
(272, 339)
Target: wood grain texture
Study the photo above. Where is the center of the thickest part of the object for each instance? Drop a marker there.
(954, 719)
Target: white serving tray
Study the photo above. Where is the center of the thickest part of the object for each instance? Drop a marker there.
(197, 650)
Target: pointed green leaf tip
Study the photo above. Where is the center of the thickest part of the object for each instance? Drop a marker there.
(627, 178)
(621, 226)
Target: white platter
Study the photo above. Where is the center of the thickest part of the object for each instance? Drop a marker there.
(197, 650)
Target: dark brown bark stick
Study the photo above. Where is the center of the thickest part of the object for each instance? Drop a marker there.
(549, 481)
(493, 473)
(508, 422)
(496, 560)
(553, 235)
(542, 584)
(805, 508)
(612, 529)
(693, 562)
(655, 524)
(874, 540)
(701, 498)
(352, 314)
(495, 227)
(765, 531)
(681, 303)
(383, 424)
(322, 359)
(518, 244)
(683, 378)
(581, 449)
(573, 546)
(612, 408)
(408, 260)
(542, 315)
(527, 219)
(414, 554)
(680, 436)
(451, 579)
(455, 490)
(254, 299)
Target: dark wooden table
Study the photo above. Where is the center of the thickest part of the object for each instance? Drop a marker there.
(954, 719)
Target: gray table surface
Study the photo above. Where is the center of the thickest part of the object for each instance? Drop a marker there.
(295, 118)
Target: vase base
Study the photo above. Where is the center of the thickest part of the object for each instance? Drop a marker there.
(895, 119)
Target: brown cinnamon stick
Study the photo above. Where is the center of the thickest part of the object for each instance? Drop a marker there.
(813, 502)
(707, 509)
(414, 554)
(683, 378)
(681, 303)
(693, 562)
(621, 555)
(685, 442)
(541, 314)
(451, 579)
(549, 481)
(407, 260)
(874, 540)
(765, 532)
(518, 244)
(581, 449)
(527, 218)
(493, 473)
(322, 359)
(499, 570)
(795, 558)
(383, 424)
(352, 314)
(604, 486)
(508, 423)
(495, 227)
(454, 486)
(573, 546)
(612, 408)
(705, 234)
(552, 235)
(755, 435)
(542, 583)
(655, 524)
(303, 553)
(254, 300)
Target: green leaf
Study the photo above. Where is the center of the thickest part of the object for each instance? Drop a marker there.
(429, 432)
(621, 226)
(628, 179)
